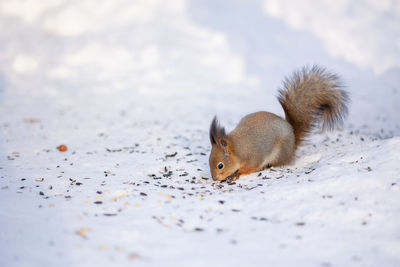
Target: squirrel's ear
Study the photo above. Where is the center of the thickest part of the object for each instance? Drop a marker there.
(226, 146)
(216, 132)
(223, 142)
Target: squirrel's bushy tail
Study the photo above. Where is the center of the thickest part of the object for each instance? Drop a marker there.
(312, 95)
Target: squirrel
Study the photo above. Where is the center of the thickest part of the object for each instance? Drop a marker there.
(262, 139)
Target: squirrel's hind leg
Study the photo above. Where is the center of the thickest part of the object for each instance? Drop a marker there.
(265, 167)
(281, 154)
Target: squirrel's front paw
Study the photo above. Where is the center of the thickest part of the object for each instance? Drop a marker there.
(233, 177)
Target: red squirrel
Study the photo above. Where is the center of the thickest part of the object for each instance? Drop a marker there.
(262, 139)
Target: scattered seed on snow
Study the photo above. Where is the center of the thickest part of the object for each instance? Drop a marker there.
(171, 155)
(83, 231)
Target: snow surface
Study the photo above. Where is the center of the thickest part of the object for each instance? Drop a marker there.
(131, 87)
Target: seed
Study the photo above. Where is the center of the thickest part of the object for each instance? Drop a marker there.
(171, 155)
(62, 148)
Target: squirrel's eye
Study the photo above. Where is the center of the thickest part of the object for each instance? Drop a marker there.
(220, 166)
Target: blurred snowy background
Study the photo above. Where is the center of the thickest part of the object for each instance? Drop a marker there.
(101, 75)
(199, 51)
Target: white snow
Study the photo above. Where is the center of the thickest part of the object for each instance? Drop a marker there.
(131, 87)
(360, 33)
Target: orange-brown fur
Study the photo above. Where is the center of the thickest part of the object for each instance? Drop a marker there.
(310, 94)
(263, 139)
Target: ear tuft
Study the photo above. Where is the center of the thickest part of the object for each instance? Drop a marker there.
(216, 131)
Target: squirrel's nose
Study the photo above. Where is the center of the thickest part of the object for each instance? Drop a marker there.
(214, 177)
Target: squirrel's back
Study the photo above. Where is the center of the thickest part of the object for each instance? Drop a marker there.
(263, 135)
(312, 95)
